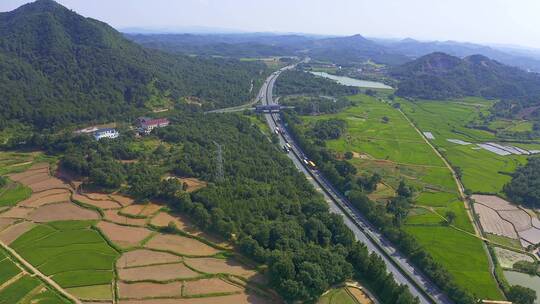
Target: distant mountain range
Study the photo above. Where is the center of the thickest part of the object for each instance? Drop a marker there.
(341, 50)
(441, 76)
(57, 67)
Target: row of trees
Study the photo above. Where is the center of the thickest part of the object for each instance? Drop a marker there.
(262, 203)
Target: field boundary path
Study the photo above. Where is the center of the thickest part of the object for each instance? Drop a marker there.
(38, 273)
(461, 190)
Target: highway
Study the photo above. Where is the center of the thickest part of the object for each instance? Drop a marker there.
(403, 271)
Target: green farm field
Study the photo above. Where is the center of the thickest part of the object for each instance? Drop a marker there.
(72, 253)
(482, 171)
(383, 141)
(18, 286)
(12, 193)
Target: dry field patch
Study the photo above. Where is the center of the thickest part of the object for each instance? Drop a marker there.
(157, 273)
(229, 299)
(35, 178)
(492, 222)
(124, 236)
(359, 295)
(215, 266)
(48, 197)
(113, 216)
(62, 212)
(13, 232)
(122, 200)
(141, 210)
(49, 183)
(4, 223)
(144, 257)
(149, 290)
(531, 235)
(507, 258)
(28, 173)
(519, 218)
(209, 286)
(163, 219)
(97, 196)
(101, 204)
(181, 245)
(193, 184)
(16, 213)
(493, 202)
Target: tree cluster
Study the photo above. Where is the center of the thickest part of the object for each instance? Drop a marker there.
(295, 82)
(524, 188)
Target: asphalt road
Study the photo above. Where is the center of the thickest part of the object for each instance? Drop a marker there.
(403, 271)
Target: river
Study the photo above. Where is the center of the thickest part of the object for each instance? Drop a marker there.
(518, 278)
(353, 82)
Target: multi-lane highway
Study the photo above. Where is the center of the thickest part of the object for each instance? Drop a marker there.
(403, 271)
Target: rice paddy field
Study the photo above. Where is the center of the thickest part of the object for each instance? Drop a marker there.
(105, 248)
(482, 171)
(383, 141)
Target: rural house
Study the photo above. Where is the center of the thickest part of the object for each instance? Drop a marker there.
(146, 125)
(106, 133)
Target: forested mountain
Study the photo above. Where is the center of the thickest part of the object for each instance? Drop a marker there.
(57, 67)
(442, 76)
(414, 49)
(341, 50)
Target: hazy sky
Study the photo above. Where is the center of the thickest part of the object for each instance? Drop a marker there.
(487, 21)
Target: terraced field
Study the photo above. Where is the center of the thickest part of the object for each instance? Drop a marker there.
(108, 249)
(383, 141)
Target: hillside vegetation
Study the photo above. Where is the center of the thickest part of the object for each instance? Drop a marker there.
(441, 76)
(57, 67)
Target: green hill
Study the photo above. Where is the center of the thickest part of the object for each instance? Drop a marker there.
(441, 76)
(57, 67)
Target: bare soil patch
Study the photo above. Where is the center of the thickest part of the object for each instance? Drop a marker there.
(519, 218)
(531, 235)
(193, 184)
(16, 212)
(97, 196)
(492, 222)
(360, 295)
(507, 258)
(28, 173)
(229, 299)
(122, 200)
(209, 286)
(163, 219)
(494, 202)
(215, 266)
(49, 183)
(124, 236)
(157, 273)
(181, 245)
(113, 216)
(13, 232)
(101, 204)
(144, 257)
(62, 212)
(55, 198)
(4, 223)
(35, 178)
(38, 199)
(149, 290)
(141, 210)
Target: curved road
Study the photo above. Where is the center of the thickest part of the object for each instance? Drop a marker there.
(403, 271)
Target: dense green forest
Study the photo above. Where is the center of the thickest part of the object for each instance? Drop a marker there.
(525, 185)
(441, 76)
(57, 67)
(262, 203)
(294, 82)
(387, 218)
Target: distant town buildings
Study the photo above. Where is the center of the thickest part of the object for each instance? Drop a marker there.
(106, 133)
(145, 125)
